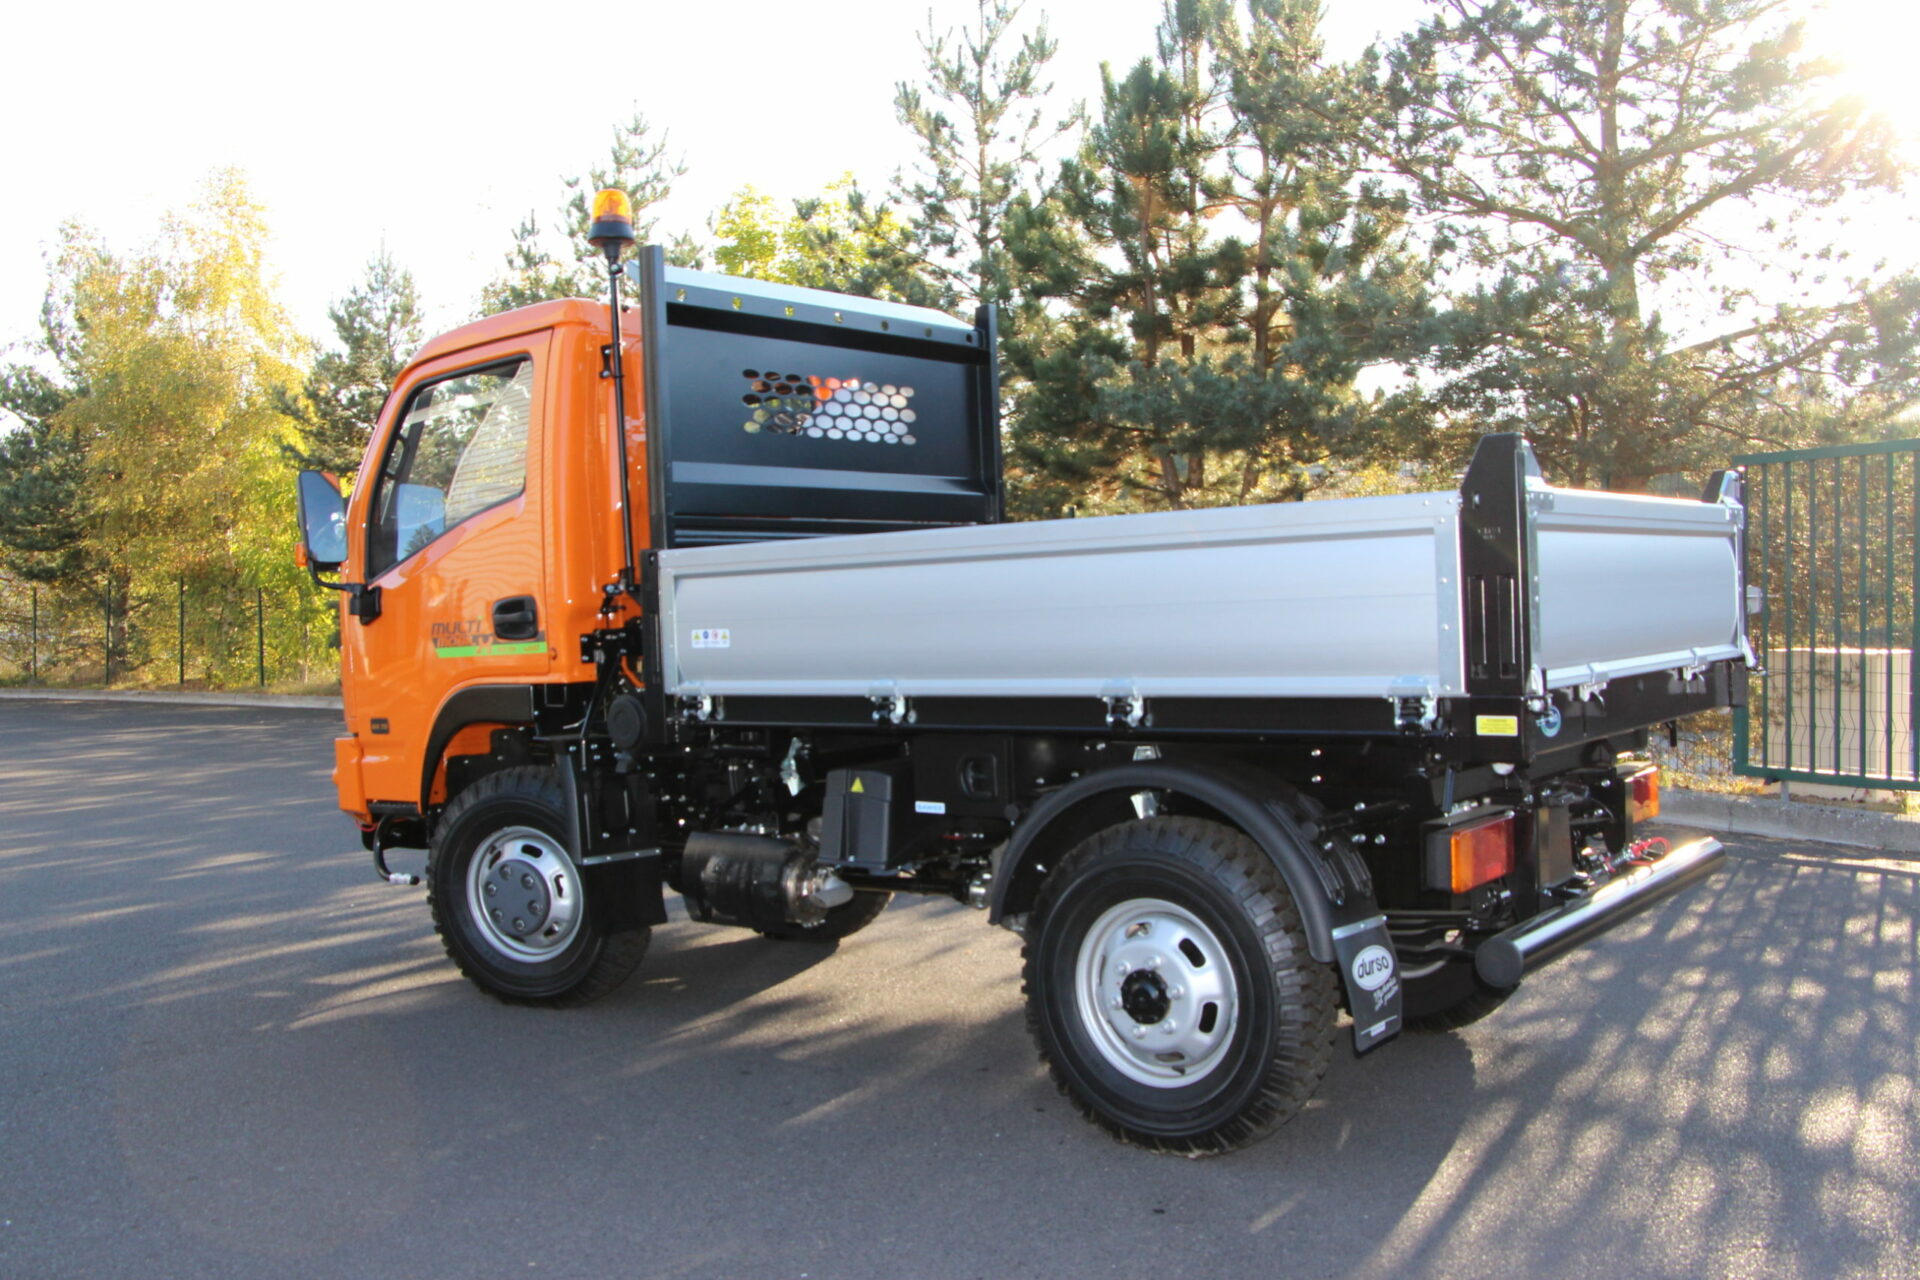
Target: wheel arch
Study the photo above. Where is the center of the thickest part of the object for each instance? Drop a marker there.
(475, 704)
(1263, 807)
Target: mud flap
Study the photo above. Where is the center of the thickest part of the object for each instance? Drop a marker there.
(1364, 952)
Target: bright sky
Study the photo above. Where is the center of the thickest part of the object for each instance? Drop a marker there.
(432, 128)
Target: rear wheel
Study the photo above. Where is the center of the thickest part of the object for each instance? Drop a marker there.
(1170, 991)
(509, 904)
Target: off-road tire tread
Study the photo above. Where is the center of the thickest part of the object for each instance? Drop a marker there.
(619, 953)
(1307, 994)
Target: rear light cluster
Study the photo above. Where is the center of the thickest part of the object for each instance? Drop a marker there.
(1481, 852)
(1643, 794)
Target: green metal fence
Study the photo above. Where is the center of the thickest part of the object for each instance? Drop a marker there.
(179, 634)
(1830, 563)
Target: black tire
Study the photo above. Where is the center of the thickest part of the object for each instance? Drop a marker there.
(1198, 901)
(842, 921)
(1449, 997)
(511, 825)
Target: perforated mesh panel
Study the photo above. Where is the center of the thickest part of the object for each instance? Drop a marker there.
(820, 408)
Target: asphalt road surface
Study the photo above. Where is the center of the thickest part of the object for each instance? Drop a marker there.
(226, 1051)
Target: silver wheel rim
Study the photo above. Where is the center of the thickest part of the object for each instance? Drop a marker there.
(523, 894)
(1148, 956)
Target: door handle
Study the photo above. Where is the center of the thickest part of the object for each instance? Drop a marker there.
(516, 618)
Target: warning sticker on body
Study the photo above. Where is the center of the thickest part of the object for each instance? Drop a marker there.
(713, 638)
(1497, 726)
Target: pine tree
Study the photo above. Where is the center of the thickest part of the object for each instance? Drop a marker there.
(42, 528)
(1587, 157)
(377, 328)
(639, 164)
(1195, 364)
(43, 462)
(1331, 285)
(982, 128)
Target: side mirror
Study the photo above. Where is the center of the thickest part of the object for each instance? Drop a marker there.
(323, 521)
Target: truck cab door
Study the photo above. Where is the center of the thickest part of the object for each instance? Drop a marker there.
(447, 526)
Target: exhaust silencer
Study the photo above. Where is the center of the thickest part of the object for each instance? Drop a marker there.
(755, 881)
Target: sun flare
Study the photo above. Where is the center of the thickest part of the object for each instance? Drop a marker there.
(1873, 40)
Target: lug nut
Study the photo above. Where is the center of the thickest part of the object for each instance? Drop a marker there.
(1139, 1033)
(526, 882)
(1167, 1026)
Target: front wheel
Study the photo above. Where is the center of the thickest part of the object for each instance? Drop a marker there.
(509, 904)
(1170, 991)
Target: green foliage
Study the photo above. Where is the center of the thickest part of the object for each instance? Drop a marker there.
(1584, 159)
(1208, 281)
(377, 327)
(840, 240)
(42, 517)
(982, 126)
(160, 458)
(537, 271)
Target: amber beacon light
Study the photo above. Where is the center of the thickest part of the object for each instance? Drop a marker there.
(612, 229)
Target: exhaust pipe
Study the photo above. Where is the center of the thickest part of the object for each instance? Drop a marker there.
(1505, 958)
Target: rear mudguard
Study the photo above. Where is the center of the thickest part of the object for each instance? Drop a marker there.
(1334, 895)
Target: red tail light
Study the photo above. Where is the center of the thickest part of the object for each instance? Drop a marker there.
(1643, 794)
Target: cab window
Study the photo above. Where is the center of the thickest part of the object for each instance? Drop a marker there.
(460, 448)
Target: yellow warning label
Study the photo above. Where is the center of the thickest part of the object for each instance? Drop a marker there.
(858, 786)
(1497, 726)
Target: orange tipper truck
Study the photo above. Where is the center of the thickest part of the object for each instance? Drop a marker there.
(715, 594)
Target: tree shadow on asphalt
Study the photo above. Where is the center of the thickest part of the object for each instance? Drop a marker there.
(281, 1064)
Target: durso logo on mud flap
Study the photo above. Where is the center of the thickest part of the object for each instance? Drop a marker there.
(1372, 968)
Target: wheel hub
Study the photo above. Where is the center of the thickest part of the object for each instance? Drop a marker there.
(518, 899)
(1143, 994)
(523, 894)
(1156, 992)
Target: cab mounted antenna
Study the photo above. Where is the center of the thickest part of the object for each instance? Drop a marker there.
(611, 232)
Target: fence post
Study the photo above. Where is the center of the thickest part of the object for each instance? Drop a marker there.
(106, 634)
(33, 649)
(1913, 625)
(183, 631)
(260, 631)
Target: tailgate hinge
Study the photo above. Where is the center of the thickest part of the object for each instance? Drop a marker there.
(1128, 708)
(891, 706)
(1414, 706)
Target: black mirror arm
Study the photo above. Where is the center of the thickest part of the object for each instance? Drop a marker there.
(363, 600)
(313, 571)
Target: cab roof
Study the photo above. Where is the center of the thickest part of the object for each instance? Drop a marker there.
(509, 324)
